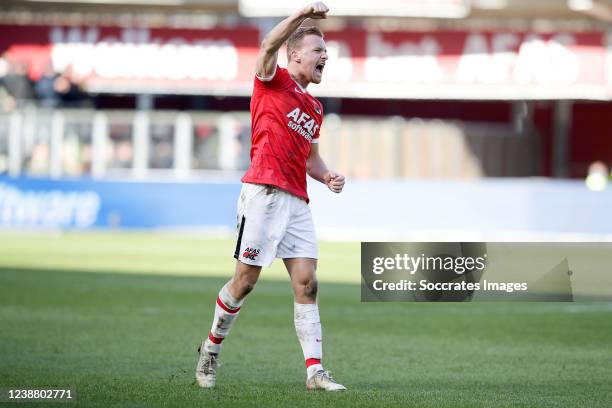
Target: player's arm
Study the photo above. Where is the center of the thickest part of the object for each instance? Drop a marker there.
(316, 168)
(268, 52)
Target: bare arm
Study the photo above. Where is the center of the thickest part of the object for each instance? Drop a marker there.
(317, 169)
(268, 53)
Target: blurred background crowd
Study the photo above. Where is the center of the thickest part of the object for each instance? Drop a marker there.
(49, 90)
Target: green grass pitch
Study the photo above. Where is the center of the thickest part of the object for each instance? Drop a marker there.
(119, 317)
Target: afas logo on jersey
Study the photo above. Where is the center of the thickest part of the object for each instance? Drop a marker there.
(302, 123)
(250, 253)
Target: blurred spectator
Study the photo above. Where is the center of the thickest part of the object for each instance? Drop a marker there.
(205, 146)
(597, 178)
(18, 83)
(69, 91)
(162, 155)
(124, 154)
(38, 162)
(45, 87)
(71, 160)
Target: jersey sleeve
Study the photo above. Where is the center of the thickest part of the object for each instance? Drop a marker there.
(277, 80)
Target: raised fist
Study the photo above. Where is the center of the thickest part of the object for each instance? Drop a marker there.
(315, 10)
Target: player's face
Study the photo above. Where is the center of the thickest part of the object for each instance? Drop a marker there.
(313, 56)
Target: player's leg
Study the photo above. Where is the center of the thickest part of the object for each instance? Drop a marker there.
(299, 252)
(229, 301)
(302, 272)
(257, 240)
(227, 308)
(308, 323)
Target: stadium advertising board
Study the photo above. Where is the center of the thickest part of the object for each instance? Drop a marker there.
(404, 64)
(139, 60)
(531, 209)
(29, 203)
(459, 65)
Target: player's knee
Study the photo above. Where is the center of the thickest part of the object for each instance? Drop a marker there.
(243, 284)
(310, 288)
(245, 278)
(246, 286)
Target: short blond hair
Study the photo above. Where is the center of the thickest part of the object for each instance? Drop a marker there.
(296, 38)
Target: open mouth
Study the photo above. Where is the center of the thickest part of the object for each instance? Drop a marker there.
(319, 67)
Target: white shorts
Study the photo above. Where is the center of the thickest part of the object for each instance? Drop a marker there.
(273, 224)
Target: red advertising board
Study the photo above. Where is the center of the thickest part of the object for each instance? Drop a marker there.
(111, 59)
(401, 64)
(467, 65)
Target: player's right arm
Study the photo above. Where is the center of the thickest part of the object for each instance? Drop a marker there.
(268, 52)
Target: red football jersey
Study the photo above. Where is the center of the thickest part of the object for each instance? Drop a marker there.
(285, 120)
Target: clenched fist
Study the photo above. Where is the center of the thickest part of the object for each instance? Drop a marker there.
(334, 181)
(315, 10)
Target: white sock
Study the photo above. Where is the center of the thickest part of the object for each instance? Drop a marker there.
(227, 309)
(308, 330)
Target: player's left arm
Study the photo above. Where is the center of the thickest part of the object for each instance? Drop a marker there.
(317, 169)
